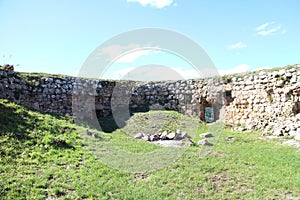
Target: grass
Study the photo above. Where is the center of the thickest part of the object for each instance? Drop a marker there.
(158, 121)
(36, 76)
(31, 76)
(228, 77)
(44, 156)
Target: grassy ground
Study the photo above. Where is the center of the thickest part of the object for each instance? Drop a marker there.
(46, 157)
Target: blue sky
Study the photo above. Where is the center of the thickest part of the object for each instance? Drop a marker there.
(57, 36)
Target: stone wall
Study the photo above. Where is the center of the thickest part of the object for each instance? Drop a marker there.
(264, 101)
(267, 101)
(52, 94)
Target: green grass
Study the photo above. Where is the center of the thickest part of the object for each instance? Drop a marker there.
(31, 76)
(158, 121)
(44, 156)
(254, 73)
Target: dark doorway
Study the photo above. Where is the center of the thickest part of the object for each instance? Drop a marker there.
(228, 97)
(209, 112)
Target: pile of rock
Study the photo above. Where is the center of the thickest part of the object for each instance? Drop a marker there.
(178, 135)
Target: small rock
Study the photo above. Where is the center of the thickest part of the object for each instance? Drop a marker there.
(189, 143)
(278, 132)
(155, 137)
(50, 80)
(229, 139)
(292, 70)
(145, 137)
(204, 142)
(151, 138)
(292, 133)
(36, 106)
(181, 135)
(206, 135)
(171, 136)
(281, 72)
(288, 75)
(297, 137)
(59, 141)
(275, 74)
(293, 79)
(93, 134)
(138, 136)
(18, 134)
(279, 83)
(241, 129)
(163, 135)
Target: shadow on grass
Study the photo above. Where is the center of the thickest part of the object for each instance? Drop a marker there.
(108, 124)
(61, 144)
(19, 122)
(14, 120)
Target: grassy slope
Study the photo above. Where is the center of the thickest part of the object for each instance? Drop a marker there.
(42, 156)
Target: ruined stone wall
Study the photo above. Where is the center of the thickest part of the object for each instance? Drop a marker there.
(52, 94)
(45, 94)
(267, 101)
(264, 101)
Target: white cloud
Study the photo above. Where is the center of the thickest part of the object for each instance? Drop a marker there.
(269, 28)
(113, 51)
(131, 57)
(269, 31)
(238, 45)
(263, 26)
(239, 69)
(153, 3)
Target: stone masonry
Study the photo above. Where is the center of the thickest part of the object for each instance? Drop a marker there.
(263, 100)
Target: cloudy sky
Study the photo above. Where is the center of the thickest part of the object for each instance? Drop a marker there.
(58, 36)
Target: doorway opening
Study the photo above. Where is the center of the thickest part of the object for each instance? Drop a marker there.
(209, 112)
(228, 97)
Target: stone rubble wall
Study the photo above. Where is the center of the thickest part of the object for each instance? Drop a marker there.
(45, 94)
(265, 101)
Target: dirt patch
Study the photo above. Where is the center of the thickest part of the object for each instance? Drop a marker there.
(141, 176)
(211, 152)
